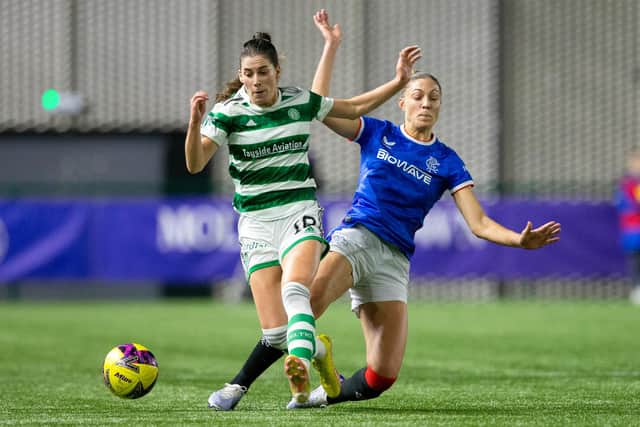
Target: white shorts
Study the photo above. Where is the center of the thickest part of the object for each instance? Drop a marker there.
(265, 243)
(380, 270)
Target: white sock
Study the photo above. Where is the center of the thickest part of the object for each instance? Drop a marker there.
(301, 337)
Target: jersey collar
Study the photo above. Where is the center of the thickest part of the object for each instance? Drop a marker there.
(245, 96)
(406, 135)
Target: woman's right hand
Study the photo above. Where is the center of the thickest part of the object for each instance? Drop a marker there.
(198, 106)
(331, 35)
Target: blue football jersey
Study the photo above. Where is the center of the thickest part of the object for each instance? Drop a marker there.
(401, 178)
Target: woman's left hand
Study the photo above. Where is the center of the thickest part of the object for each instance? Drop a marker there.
(538, 237)
(407, 59)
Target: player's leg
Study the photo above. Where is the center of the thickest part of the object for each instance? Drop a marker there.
(379, 297)
(384, 325)
(333, 279)
(302, 246)
(299, 266)
(385, 329)
(265, 288)
(260, 262)
(347, 263)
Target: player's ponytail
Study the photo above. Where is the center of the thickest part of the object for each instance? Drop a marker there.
(230, 88)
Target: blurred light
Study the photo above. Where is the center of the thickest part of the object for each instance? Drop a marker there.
(62, 102)
(50, 99)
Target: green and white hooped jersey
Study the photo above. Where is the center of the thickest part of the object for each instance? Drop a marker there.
(268, 148)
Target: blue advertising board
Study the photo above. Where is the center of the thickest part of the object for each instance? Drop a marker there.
(195, 240)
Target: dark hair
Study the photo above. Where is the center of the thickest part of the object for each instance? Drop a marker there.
(260, 44)
(418, 75)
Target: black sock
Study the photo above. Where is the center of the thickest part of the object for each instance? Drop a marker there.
(258, 361)
(355, 388)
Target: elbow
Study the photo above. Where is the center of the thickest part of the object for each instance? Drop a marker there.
(193, 168)
(356, 115)
(479, 232)
(481, 226)
(354, 112)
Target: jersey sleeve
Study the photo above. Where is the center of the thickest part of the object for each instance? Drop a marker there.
(459, 176)
(216, 126)
(367, 130)
(324, 105)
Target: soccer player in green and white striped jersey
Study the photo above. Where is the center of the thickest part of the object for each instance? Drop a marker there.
(268, 148)
(266, 129)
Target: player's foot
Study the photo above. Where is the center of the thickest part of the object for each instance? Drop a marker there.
(317, 399)
(634, 296)
(227, 397)
(298, 376)
(329, 377)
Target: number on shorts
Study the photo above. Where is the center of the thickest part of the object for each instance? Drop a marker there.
(306, 221)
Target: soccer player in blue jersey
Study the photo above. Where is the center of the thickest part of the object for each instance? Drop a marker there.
(266, 129)
(404, 170)
(627, 201)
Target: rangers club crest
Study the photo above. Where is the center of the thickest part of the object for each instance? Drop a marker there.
(432, 165)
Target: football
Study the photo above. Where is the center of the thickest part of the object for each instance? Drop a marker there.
(130, 370)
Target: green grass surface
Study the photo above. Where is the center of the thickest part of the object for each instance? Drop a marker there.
(547, 364)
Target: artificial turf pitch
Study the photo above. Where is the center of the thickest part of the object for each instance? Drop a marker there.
(505, 363)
